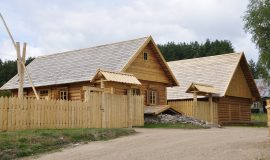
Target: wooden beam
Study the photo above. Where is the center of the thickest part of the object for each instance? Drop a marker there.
(19, 69)
(23, 62)
(30, 81)
(88, 88)
(13, 42)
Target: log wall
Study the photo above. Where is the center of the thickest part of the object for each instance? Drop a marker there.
(234, 109)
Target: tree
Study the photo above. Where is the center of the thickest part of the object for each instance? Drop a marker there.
(172, 51)
(257, 22)
(253, 68)
(8, 69)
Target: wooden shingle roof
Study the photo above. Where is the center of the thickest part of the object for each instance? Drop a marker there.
(119, 77)
(201, 88)
(216, 71)
(78, 65)
(81, 65)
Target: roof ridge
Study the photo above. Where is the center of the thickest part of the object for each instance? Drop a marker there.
(202, 84)
(226, 54)
(107, 44)
(115, 72)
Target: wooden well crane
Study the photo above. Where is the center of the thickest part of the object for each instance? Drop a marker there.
(20, 63)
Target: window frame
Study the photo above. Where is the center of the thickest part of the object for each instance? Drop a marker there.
(135, 91)
(152, 97)
(145, 56)
(63, 95)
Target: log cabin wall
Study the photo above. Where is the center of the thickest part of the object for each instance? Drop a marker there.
(234, 109)
(74, 91)
(160, 88)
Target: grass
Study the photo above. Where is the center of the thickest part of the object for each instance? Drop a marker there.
(30, 142)
(176, 125)
(259, 117)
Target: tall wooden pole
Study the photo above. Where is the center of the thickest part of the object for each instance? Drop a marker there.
(5, 24)
(20, 63)
(19, 67)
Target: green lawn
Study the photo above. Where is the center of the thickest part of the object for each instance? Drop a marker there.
(259, 117)
(29, 142)
(176, 125)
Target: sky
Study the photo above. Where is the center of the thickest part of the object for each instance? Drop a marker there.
(52, 26)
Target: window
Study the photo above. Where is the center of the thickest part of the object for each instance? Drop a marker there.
(63, 95)
(43, 92)
(135, 91)
(152, 97)
(145, 56)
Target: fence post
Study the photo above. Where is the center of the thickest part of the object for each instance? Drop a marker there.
(268, 113)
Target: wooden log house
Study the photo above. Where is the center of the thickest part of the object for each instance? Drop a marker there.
(135, 66)
(228, 79)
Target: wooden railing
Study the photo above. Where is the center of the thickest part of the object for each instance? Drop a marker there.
(201, 111)
(110, 111)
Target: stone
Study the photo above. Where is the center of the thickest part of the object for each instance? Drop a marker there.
(172, 119)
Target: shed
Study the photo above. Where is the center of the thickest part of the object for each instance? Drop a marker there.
(227, 76)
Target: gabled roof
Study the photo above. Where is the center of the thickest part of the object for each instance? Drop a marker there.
(200, 88)
(216, 71)
(81, 65)
(155, 110)
(119, 77)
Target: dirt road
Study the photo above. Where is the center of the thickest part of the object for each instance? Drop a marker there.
(234, 143)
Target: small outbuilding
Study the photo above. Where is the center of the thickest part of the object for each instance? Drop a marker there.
(224, 80)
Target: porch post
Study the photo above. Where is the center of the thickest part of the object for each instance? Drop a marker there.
(194, 103)
(103, 106)
(210, 99)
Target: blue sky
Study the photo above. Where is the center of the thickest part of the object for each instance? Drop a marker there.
(52, 26)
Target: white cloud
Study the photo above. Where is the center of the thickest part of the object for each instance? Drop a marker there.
(60, 25)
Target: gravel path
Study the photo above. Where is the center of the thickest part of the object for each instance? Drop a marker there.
(233, 143)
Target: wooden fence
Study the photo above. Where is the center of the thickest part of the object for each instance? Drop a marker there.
(99, 111)
(202, 111)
